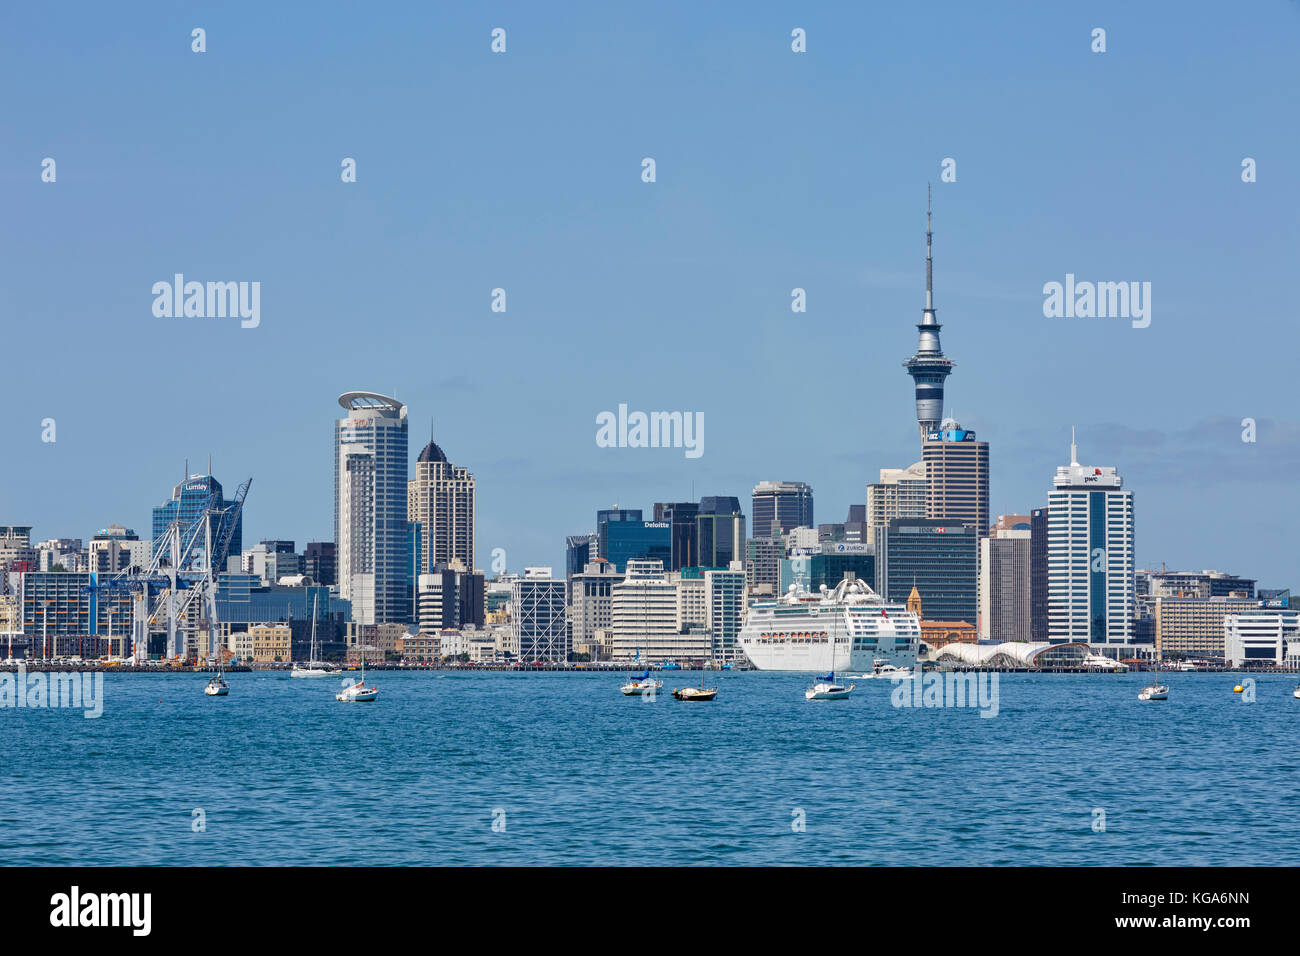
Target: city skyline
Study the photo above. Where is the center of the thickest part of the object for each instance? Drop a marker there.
(619, 290)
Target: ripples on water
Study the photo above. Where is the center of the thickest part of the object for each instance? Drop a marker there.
(287, 775)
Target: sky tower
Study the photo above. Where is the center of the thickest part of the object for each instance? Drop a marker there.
(928, 367)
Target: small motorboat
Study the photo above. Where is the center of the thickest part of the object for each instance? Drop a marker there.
(217, 687)
(1154, 692)
(827, 689)
(883, 670)
(1296, 693)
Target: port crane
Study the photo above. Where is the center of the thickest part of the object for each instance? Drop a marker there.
(183, 569)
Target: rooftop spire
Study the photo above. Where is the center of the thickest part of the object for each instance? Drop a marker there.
(929, 259)
(1074, 450)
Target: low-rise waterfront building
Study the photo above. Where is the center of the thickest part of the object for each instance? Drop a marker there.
(1261, 636)
(270, 643)
(1192, 627)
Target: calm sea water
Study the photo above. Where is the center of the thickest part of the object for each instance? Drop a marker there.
(286, 775)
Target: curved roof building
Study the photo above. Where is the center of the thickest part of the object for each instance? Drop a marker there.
(1028, 655)
(370, 521)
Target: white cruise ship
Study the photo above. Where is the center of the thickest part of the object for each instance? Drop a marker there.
(798, 631)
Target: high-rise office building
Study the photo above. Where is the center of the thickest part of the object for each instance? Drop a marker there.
(187, 502)
(683, 530)
(607, 516)
(929, 368)
(1004, 578)
(957, 476)
(371, 530)
(538, 618)
(591, 599)
(936, 557)
(577, 555)
(1038, 575)
(724, 608)
(648, 619)
(1090, 581)
(780, 506)
(441, 499)
(721, 529)
(900, 493)
(622, 541)
(763, 558)
(451, 597)
(320, 562)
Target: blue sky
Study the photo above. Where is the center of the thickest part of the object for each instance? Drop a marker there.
(775, 170)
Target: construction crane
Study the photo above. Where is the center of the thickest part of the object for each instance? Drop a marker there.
(186, 561)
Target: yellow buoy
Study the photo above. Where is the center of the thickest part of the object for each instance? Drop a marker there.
(1238, 689)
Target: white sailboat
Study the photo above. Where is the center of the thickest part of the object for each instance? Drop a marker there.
(642, 686)
(1155, 690)
(825, 688)
(217, 686)
(314, 667)
(358, 692)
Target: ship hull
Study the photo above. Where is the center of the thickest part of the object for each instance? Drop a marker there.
(805, 658)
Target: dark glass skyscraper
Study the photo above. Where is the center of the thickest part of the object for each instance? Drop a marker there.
(780, 506)
(624, 541)
(720, 527)
(1038, 574)
(940, 558)
(320, 562)
(680, 516)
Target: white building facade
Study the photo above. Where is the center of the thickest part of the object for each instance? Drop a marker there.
(1090, 556)
(1261, 636)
